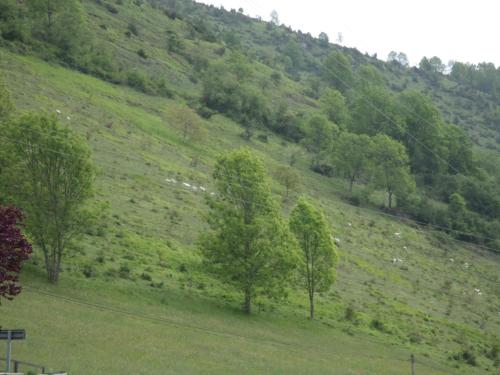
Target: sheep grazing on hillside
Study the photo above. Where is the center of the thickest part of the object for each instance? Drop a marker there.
(58, 111)
(186, 184)
(452, 260)
(203, 189)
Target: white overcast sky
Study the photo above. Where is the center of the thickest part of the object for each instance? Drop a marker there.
(461, 30)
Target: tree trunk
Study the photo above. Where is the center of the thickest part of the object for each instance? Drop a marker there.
(351, 183)
(311, 306)
(390, 199)
(247, 307)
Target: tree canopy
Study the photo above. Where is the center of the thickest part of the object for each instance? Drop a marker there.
(49, 175)
(14, 251)
(250, 245)
(319, 256)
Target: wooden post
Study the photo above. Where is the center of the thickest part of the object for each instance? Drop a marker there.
(412, 358)
(9, 349)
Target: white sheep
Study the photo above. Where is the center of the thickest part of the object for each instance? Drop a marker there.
(58, 111)
(452, 260)
(203, 189)
(186, 184)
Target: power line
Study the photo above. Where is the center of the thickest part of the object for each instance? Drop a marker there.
(294, 347)
(171, 322)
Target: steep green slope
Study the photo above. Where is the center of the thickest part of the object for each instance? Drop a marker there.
(150, 227)
(142, 261)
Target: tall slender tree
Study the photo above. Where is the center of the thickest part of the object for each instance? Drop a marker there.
(311, 229)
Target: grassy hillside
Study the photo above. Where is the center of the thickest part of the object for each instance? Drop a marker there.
(150, 228)
(134, 295)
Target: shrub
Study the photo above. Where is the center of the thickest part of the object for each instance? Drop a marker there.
(133, 29)
(142, 53)
(378, 325)
(111, 8)
(351, 315)
(467, 356)
(124, 271)
(137, 81)
(88, 271)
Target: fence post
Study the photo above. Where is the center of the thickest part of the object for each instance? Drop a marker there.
(412, 358)
(16, 366)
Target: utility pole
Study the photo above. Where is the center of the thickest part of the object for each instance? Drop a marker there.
(9, 335)
(412, 359)
(9, 349)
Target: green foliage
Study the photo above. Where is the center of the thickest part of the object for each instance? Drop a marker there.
(369, 76)
(334, 106)
(424, 141)
(189, 125)
(49, 175)
(249, 246)
(337, 71)
(312, 230)
(6, 106)
(56, 29)
(289, 178)
(352, 156)
(391, 167)
(374, 111)
(398, 58)
(11, 26)
(319, 138)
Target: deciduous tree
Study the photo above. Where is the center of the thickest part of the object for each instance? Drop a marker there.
(319, 256)
(289, 178)
(249, 245)
(189, 125)
(391, 167)
(334, 106)
(337, 70)
(14, 251)
(352, 156)
(49, 175)
(320, 135)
